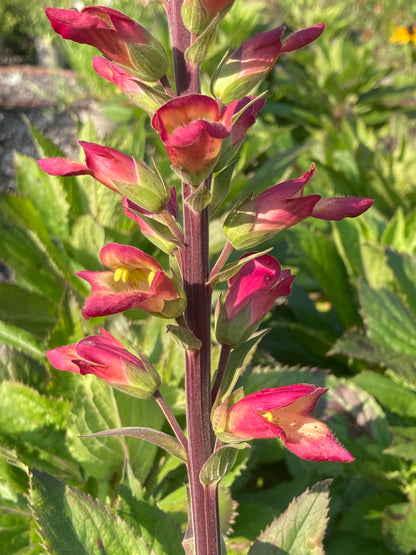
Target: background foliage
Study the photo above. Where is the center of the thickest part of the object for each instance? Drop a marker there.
(346, 102)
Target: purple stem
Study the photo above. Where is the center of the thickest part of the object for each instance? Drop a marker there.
(170, 417)
(198, 379)
(194, 257)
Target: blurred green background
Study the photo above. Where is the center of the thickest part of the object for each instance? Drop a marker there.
(346, 102)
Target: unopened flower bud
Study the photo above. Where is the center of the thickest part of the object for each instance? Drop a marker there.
(252, 292)
(107, 358)
(121, 39)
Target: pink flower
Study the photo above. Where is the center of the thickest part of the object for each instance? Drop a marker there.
(136, 280)
(252, 292)
(106, 357)
(247, 66)
(144, 96)
(283, 206)
(120, 173)
(118, 37)
(193, 130)
(286, 413)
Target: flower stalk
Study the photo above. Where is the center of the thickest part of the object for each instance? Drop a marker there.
(195, 271)
(202, 136)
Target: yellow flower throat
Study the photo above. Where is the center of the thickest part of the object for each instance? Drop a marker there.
(134, 277)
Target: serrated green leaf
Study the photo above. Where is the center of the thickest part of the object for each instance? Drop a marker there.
(404, 269)
(26, 309)
(14, 532)
(388, 322)
(399, 527)
(346, 403)
(404, 443)
(35, 425)
(71, 522)
(20, 251)
(318, 253)
(95, 409)
(227, 509)
(357, 345)
(160, 350)
(16, 365)
(47, 149)
(21, 211)
(140, 510)
(391, 395)
(22, 339)
(300, 529)
(220, 463)
(87, 239)
(103, 204)
(46, 193)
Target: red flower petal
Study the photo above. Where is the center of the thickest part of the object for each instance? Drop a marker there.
(63, 167)
(339, 208)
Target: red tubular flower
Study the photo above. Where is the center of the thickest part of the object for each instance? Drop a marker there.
(118, 37)
(252, 292)
(247, 66)
(283, 206)
(107, 358)
(286, 413)
(136, 280)
(193, 130)
(120, 173)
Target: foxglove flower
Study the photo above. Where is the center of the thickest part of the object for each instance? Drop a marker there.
(286, 413)
(247, 66)
(135, 280)
(107, 358)
(118, 37)
(116, 171)
(252, 292)
(193, 129)
(283, 206)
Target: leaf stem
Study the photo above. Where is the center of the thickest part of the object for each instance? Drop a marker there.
(170, 417)
(222, 259)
